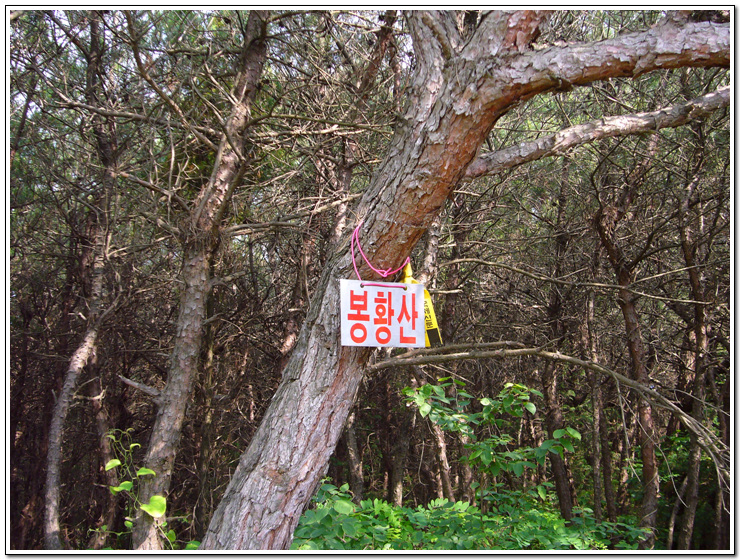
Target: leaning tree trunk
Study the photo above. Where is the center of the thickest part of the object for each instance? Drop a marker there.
(77, 363)
(459, 91)
(200, 246)
(91, 275)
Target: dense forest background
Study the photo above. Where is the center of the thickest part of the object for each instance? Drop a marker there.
(166, 165)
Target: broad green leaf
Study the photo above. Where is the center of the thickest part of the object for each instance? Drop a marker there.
(192, 545)
(128, 524)
(133, 446)
(575, 434)
(530, 407)
(557, 434)
(486, 456)
(156, 506)
(145, 471)
(112, 464)
(345, 507)
(517, 468)
(126, 485)
(424, 409)
(541, 492)
(350, 527)
(171, 536)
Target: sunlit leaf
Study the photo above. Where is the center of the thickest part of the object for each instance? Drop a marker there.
(156, 506)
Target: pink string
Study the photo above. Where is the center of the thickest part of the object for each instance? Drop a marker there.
(382, 272)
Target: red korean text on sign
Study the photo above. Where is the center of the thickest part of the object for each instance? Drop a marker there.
(382, 314)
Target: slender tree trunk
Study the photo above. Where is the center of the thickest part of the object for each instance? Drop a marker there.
(438, 436)
(554, 421)
(204, 505)
(597, 405)
(674, 513)
(556, 331)
(606, 221)
(354, 460)
(80, 358)
(91, 263)
(689, 249)
(200, 247)
(110, 478)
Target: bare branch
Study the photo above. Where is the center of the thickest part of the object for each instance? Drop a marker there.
(560, 282)
(151, 391)
(557, 144)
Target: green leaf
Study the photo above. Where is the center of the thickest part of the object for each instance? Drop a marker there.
(424, 409)
(128, 524)
(145, 471)
(542, 493)
(345, 507)
(192, 545)
(133, 446)
(112, 464)
(171, 536)
(530, 407)
(486, 456)
(557, 434)
(156, 506)
(517, 468)
(126, 485)
(575, 434)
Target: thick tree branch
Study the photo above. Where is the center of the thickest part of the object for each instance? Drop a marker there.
(558, 143)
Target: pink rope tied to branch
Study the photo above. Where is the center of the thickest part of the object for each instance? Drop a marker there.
(382, 272)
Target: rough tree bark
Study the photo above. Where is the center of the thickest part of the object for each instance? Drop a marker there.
(200, 243)
(459, 91)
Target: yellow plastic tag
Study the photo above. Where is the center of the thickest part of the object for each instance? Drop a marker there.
(433, 335)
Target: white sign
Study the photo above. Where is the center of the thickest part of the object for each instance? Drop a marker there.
(383, 314)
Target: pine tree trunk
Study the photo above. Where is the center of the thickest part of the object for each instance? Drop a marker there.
(200, 245)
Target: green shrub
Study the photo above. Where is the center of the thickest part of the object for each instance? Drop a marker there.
(518, 520)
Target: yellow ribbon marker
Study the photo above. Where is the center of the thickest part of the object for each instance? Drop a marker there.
(432, 334)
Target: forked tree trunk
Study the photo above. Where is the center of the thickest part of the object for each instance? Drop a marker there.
(459, 91)
(646, 430)
(200, 247)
